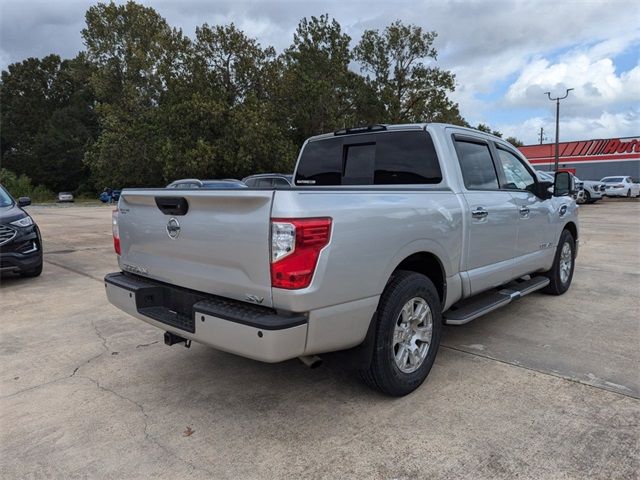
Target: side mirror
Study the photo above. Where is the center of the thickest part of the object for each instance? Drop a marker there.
(563, 184)
(24, 201)
(544, 189)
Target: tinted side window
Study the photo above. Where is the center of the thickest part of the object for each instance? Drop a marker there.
(516, 173)
(386, 158)
(477, 166)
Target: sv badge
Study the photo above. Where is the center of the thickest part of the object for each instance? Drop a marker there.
(254, 298)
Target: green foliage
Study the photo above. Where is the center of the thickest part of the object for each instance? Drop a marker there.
(145, 105)
(409, 89)
(21, 186)
(514, 141)
(47, 119)
(319, 91)
(137, 56)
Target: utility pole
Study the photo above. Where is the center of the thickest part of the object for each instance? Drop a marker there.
(557, 100)
(541, 135)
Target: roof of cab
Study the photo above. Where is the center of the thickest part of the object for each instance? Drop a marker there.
(402, 126)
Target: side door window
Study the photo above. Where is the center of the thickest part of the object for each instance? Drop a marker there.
(516, 175)
(478, 169)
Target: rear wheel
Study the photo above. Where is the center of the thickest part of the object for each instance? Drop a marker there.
(561, 273)
(629, 193)
(407, 335)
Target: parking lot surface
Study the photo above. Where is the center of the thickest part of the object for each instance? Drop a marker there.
(547, 387)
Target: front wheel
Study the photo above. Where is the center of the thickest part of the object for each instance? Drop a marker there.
(407, 335)
(561, 273)
(34, 272)
(629, 193)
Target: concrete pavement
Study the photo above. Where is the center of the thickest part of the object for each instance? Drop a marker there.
(547, 387)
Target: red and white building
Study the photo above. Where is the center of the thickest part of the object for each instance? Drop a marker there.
(589, 159)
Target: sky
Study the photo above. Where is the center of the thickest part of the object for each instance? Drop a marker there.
(505, 54)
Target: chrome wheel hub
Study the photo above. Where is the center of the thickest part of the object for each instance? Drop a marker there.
(566, 261)
(412, 335)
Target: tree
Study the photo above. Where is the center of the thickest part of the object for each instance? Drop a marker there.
(48, 119)
(514, 141)
(408, 88)
(137, 57)
(226, 124)
(318, 92)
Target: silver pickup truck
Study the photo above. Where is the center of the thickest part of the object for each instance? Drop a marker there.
(387, 232)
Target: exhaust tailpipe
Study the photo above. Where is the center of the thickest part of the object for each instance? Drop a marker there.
(311, 361)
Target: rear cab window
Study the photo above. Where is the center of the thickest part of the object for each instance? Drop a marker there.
(382, 158)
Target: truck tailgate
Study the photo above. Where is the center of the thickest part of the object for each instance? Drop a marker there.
(219, 246)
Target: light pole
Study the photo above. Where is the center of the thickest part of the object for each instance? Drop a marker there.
(557, 100)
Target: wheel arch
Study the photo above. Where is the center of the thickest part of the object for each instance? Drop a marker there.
(573, 229)
(429, 265)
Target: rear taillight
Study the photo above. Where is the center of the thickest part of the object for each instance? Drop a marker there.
(115, 231)
(295, 247)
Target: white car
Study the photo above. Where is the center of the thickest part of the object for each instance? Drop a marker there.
(621, 187)
(65, 197)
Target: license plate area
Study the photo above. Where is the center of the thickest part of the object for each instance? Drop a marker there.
(168, 306)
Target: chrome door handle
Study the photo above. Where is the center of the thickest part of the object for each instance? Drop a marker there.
(479, 213)
(524, 211)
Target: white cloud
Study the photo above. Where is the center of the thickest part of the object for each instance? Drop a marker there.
(596, 83)
(605, 125)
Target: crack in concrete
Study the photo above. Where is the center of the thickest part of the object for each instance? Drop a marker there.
(147, 344)
(105, 349)
(145, 418)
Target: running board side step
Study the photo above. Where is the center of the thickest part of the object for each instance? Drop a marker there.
(483, 303)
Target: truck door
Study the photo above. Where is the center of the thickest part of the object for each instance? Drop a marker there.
(492, 217)
(535, 239)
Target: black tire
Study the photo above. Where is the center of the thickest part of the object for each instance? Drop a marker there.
(556, 285)
(629, 193)
(34, 272)
(587, 197)
(383, 373)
